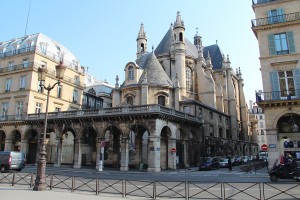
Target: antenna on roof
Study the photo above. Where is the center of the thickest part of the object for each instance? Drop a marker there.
(27, 16)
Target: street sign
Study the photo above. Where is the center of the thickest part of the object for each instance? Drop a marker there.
(264, 147)
(173, 150)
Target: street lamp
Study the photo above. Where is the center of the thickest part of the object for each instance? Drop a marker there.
(40, 181)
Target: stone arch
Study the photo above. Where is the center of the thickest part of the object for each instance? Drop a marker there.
(2, 140)
(67, 142)
(15, 140)
(165, 136)
(112, 136)
(88, 144)
(138, 134)
(30, 144)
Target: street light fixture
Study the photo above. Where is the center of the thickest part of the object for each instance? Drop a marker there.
(40, 181)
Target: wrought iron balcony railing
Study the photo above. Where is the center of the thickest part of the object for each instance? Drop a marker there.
(102, 112)
(278, 96)
(31, 65)
(254, 2)
(39, 50)
(276, 19)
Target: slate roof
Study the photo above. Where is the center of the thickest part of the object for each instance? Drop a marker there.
(191, 50)
(215, 54)
(164, 45)
(156, 75)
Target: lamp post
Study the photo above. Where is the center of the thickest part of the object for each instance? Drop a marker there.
(40, 181)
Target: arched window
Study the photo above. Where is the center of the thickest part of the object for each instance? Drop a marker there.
(130, 100)
(142, 47)
(181, 37)
(162, 100)
(130, 73)
(189, 79)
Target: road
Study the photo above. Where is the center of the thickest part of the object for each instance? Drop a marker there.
(220, 175)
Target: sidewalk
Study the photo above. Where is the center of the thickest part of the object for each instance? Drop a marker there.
(20, 193)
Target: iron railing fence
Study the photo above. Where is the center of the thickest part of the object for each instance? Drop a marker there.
(276, 19)
(161, 189)
(283, 95)
(143, 109)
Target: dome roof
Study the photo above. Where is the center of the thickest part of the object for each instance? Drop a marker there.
(53, 49)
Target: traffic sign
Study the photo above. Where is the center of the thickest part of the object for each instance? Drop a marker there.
(264, 147)
(173, 150)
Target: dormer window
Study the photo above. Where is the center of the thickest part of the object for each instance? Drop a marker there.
(129, 100)
(130, 73)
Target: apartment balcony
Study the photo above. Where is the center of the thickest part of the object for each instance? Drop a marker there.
(291, 17)
(278, 98)
(37, 49)
(32, 66)
(255, 2)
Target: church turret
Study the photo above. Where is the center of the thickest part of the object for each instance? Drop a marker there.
(232, 109)
(180, 52)
(141, 42)
(243, 105)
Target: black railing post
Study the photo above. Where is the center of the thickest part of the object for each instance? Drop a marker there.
(31, 180)
(13, 179)
(154, 189)
(51, 182)
(73, 184)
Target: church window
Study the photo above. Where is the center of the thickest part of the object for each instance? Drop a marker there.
(161, 100)
(130, 73)
(211, 131)
(130, 100)
(189, 79)
(181, 37)
(142, 47)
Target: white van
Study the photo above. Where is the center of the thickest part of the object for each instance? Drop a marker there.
(11, 160)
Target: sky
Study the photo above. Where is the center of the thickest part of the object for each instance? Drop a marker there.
(102, 33)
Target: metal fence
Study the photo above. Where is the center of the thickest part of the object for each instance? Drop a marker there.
(161, 189)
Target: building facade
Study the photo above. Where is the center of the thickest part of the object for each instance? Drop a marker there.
(20, 91)
(259, 117)
(277, 29)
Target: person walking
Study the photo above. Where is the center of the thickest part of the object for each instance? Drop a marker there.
(229, 164)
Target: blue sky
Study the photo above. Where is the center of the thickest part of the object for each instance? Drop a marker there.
(102, 33)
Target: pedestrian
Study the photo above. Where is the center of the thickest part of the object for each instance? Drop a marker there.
(229, 164)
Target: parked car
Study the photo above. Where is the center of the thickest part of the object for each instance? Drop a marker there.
(209, 163)
(245, 159)
(223, 162)
(11, 160)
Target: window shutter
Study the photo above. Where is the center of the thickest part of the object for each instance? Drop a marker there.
(297, 81)
(280, 14)
(275, 85)
(269, 13)
(290, 38)
(271, 45)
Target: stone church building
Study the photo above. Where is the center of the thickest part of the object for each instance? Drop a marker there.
(178, 104)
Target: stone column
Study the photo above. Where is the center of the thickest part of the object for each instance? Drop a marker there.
(8, 145)
(58, 152)
(171, 156)
(24, 146)
(77, 153)
(124, 154)
(273, 153)
(154, 154)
